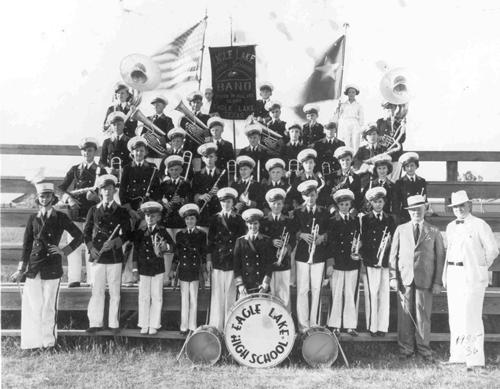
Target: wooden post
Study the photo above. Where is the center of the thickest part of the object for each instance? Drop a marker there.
(451, 176)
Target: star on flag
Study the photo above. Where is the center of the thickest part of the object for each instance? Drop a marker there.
(329, 69)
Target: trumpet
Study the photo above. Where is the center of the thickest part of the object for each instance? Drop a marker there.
(195, 128)
(293, 169)
(158, 241)
(188, 157)
(384, 242)
(280, 254)
(326, 168)
(116, 165)
(355, 245)
(312, 246)
(232, 171)
(213, 188)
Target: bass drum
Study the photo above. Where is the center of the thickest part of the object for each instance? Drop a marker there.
(259, 331)
(319, 347)
(204, 346)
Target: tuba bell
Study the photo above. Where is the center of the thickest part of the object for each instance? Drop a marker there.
(394, 88)
(195, 128)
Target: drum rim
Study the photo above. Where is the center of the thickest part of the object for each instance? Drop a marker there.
(215, 333)
(318, 330)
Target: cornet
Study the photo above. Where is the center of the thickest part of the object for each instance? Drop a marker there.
(355, 245)
(280, 254)
(116, 165)
(384, 242)
(232, 172)
(326, 168)
(312, 246)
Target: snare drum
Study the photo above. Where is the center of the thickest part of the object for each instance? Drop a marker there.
(204, 346)
(259, 331)
(319, 347)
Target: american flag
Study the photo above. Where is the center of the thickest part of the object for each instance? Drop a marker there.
(180, 60)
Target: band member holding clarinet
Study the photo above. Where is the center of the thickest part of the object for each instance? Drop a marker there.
(152, 243)
(312, 131)
(309, 224)
(225, 150)
(107, 228)
(83, 178)
(377, 230)
(189, 259)
(225, 227)
(115, 147)
(276, 225)
(249, 190)
(41, 265)
(122, 104)
(255, 150)
(343, 264)
(253, 256)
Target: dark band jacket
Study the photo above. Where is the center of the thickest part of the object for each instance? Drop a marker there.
(168, 188)
(145, 255)
(190, 254)
(340, 236)
(371, 235)
(404, 188)
(255, 192)
(134, 184)
(274, 229)
(222, 235)
(202, 184)
(302, 223)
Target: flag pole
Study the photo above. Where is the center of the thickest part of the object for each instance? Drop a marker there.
(203, 48)
(346, 26)
(231, 44)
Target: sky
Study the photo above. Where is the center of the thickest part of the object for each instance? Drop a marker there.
(62, 60)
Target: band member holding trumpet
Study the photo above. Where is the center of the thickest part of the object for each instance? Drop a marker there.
(225, 150)
(253, 256)
(344, 265)
(312, 131)
(382, 168)
(225, 227)
(152, 243)
(83, 178)
(294, 146)
(107, 228)
(276, 225)
(122, 104)
(255, 150)
(41, 264)
(326, 147)
(309, 226)
(377, 229)
(115, 147)
(249, 191)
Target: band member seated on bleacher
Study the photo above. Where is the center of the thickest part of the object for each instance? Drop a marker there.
(253, 257)
(311, 253)
(152, 243)
(326, 146)
(276, 225)
(225, 227)
(189, 259)
(255, 150)
(343, 265)
(116, 145)
(347, 179)
(294, 146)
(377, 226)
(140, 180)
(122, 104)
(225, 150)
(107, 228)
(408, 185)
(163, 122)
(277, 179)
(275, 123)
(81, 176)
(312, 131)
(363, 162)
(41, 264)
(177, 137)
(250, 193)
(382, 168)
(206, 184)
(261, 113)
(307, 160)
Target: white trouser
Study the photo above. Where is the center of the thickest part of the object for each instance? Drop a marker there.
(167, 259)
(223, 297)
(150, 301)
(189, 305)
(280, 286)
(38, 313)
(376, 287)
(127, 276)
(465, 307)
(75, 259)
(350, 132)
(112, 275)
(344, 312)
(309, 277)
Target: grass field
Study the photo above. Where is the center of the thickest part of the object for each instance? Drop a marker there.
(84, 363)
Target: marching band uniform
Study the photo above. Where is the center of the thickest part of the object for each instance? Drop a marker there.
(116, 145)
(43, 271)
(326, 147)
(389, 125)
(363, 159)
(275, 123)
(472, 248)
(255, 194)
(177, 138)
(383, 182)
(376, 278)
(225, 150)
(102, 220)
(123, 107)
(347, 179)
(252, 257)
(303, 157)
(162, 121)
(278, 126)
(190, 256)
(261, 113)
(312, 131)
(309, 276)
(195, 99)
(350, 119)
(281, 182)
(291, 149)
(151, 244)
(343, 267)
(225, 228)
(258, 153)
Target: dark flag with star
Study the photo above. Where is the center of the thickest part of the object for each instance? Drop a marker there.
(325, 81)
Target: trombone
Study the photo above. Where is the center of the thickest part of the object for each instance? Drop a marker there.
(187, 156)
(232, 171)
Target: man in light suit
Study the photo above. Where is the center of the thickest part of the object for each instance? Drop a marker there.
(471, 251)
(416, 268)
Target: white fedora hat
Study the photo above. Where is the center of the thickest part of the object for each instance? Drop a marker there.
(458, 198)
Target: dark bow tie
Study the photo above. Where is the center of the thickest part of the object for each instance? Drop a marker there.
(459, 222)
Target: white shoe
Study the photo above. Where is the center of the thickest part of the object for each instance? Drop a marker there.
(144, 330)
(153, 331)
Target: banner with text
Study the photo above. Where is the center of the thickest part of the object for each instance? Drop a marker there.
(233, 81)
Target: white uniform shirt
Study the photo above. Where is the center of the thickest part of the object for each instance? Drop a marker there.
(352, 111)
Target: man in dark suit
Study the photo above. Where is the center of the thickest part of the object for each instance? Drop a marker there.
(225, 150)
(123, 97)
(116, 145)
(255, 150)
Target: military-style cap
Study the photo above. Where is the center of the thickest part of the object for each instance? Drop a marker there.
(176, 132)
(408, 157)
(207, 149)
(294, 125)
(44, 187)
(369, 128)
(270, 105)
(342, 152)
(151, 207)
(245, 160)
(252, 215)
(343, 195)
(266, 85)
(88, 142)
(306, 154)
(135, 142)
(116, 116)
(351, 86)
(251, 129)
(383, 159)
(311, 108)
(160, 99)
(275, 162)
(105, 180)
(331, 125)
(227, 193)
(173, 160)
(189, 210)
(375, 193)
(196, 95)
(307, 186)
(120, 86)
(275, 194)
(415, 201)
(215, 121)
